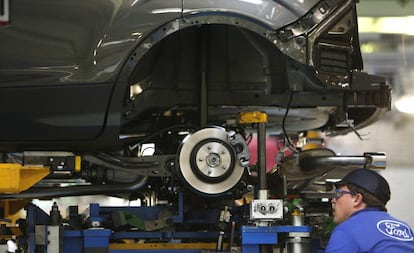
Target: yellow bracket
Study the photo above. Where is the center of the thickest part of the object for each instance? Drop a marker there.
(16, 178)
(252, 117)
(78, 161)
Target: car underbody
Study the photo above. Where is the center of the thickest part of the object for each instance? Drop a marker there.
(181, 85)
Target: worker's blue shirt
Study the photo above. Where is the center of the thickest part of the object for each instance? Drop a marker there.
(371, 230)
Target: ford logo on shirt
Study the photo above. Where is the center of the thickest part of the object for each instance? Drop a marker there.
(395, 229)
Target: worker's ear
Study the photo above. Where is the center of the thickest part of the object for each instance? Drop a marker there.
(358, 200)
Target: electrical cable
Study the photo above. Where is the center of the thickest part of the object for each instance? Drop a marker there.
(156, 134)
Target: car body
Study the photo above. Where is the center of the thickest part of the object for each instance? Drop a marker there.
(88, 76)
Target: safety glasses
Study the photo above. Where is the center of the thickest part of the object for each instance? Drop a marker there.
(339, 193)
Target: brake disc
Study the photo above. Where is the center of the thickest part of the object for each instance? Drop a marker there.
(211, 160)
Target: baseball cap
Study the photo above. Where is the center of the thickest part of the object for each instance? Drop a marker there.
(370, 181)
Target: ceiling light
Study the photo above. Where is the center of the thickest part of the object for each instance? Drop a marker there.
(405, 104)
(386, 25)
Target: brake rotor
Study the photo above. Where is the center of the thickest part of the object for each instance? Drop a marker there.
(208, 161)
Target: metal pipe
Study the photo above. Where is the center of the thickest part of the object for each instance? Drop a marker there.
(369, 160)
(47, 192)
(203, 84)
(261, 143)
(232, 232)
(219, 247)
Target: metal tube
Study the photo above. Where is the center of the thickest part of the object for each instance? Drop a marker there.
(232, 232)
(219, 247)
(47, 192)
(203, 84)
(261, 143)
(371, 161)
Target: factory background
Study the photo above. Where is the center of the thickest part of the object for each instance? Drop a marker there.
(387, 44)
(395, 139)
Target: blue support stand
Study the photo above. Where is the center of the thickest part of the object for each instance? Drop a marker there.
(97, 239)
(36, 216)
(253, 237)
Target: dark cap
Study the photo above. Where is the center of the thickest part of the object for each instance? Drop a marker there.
(370, 181)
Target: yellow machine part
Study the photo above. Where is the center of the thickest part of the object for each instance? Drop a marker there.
(253, 117)
(78, 161)
(13, 210)
(16, 178)
(314, 140)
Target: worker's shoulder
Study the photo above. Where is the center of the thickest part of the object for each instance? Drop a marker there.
(379, 222)
(370, 214)
(375, 216)
(364, 219)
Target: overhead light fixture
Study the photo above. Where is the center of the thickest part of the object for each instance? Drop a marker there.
(405, 104)
(386, 25)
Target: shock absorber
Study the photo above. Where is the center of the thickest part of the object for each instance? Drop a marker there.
(298, 242)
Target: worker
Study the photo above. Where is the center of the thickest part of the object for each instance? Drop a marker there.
(363, 223)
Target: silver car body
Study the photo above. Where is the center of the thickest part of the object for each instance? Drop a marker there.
(71, 52)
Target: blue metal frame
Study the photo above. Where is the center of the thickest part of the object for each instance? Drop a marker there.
(157, 251)
(80, 240)
(35, 216)
(253, 237)
(97, 240)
